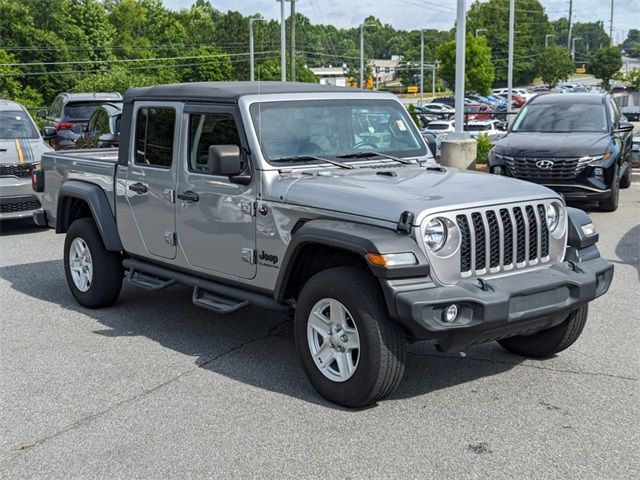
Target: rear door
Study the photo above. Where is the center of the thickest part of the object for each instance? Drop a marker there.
(216, 227)
(151, 179)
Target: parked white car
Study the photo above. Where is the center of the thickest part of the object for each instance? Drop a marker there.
(523, 92)
(494, 129)
(439, 127)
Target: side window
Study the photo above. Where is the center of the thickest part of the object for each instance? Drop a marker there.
(154, 136)
(206, 130)
(615, 112)
(56, 108)
(102, 122)
(92, 122)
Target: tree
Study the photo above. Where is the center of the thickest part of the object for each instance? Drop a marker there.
(10, 86)
(479, 72)
(605, 62)
(532, 24)
(554, 65)
(270, 71)
(631, 44)
(215, 66)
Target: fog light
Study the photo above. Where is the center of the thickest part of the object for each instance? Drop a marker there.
(450, 313)
(598, 173)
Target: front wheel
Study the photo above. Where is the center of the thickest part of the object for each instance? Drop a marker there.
(625, 182)
(351, 351)
(611, 203)
(547, 343)
(94, 274)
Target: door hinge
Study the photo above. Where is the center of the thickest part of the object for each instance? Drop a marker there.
(170, 238)
(248, 255)
(170, 195)
(248, 208)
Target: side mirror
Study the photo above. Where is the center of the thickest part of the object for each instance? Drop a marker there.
(41, 113)
(624, 127)
(224, 160)
(49, 132)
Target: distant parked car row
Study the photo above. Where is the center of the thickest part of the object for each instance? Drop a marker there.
(83, 120)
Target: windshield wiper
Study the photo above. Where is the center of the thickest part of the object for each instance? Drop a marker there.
(375, 154)
(302, 158)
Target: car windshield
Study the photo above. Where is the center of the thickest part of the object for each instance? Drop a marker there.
(477, 128)
(331, 128)
(80, 110)
(561, 118)
(16, 124)
(437, 126)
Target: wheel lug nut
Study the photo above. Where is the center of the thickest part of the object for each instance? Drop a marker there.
(338, 328)
(344, 338)
(340, 348)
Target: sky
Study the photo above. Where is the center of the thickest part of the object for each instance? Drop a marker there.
(415, 14)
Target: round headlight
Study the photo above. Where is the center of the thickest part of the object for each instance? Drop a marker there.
(435, 234)
(553, 216)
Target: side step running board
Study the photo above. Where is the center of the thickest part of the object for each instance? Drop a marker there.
(217, 303)
(215, 296)
(148, 281)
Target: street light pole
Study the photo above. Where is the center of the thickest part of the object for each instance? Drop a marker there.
(293, 40)
(461, 29)
(570, 24)
(362, 55)
(510, 65)
(421, 67)
(283, 42)
(611, 25)
(546, 39)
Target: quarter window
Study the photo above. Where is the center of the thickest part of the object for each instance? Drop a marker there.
(206, 130)
(154, 136)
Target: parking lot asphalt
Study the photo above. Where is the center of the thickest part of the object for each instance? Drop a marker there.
(154, 387)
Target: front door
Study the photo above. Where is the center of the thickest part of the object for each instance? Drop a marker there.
(151, 179)
(215, 216)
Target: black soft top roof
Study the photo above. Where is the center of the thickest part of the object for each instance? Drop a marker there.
(224, 91)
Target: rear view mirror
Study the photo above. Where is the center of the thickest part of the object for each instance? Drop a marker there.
(49, 132)
(624, 127)
(224, 160)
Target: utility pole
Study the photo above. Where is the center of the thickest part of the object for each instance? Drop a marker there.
(421, 67)
(283, 42)
(573, 48)
(570, 24)
(362, 55)
(546, 39)
(293, 40)
(510, 66)
(611, 25)
(461, 28)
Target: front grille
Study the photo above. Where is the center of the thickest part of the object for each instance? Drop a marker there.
(19, 206)
(502, 239)
(560, 168)
(21, 170)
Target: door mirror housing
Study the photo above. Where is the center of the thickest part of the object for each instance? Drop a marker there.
(225, 160)
(49, 132)
(624, 127)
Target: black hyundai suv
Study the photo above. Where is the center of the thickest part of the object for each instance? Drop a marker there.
(69, 110)
(574, 143)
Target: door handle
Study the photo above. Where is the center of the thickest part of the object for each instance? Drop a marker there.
(138, 187)
(188, 196)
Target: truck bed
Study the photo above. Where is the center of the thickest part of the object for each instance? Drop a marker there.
(94, 166)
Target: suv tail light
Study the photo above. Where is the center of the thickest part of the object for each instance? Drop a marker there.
(64, 125)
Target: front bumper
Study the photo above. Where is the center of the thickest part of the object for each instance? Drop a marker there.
(500, 307)
(17, 198)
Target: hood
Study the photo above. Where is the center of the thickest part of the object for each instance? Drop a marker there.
(366, 193)
(22, 150)
(531, 144)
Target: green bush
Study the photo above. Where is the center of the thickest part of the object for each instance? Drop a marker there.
(484, 147)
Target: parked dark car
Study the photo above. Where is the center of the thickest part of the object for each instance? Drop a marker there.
(632, 113)
(575, 144)
(69, 110)
(103, 129)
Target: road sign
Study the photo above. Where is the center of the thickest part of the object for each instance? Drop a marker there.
(581, 70)
(412, 89)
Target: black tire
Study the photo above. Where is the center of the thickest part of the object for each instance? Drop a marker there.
(382, 353)
(108, 273)
(547, 343)
(611, 203)
(625, 181)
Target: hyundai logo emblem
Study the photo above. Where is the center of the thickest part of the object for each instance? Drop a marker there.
(544, 164)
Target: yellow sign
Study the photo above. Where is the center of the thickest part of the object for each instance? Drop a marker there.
(412, 89)
(581, 70)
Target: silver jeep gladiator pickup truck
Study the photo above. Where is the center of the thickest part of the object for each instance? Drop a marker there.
(322, 202)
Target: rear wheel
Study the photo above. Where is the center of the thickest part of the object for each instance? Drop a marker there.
(352, 352)
(94, 274)
(550, 341)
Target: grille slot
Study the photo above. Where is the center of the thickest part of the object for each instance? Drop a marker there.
(21, 170)
(503, 239)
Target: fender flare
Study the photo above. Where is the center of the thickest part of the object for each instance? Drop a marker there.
(356, 238)
(96, 199)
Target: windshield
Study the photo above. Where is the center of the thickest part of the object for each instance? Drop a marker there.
(16, 124)
(81, 110)
(561, 118)
(330, 128)
(477, 128)
(437, 126)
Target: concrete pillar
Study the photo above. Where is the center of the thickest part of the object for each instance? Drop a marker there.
(459, 153)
